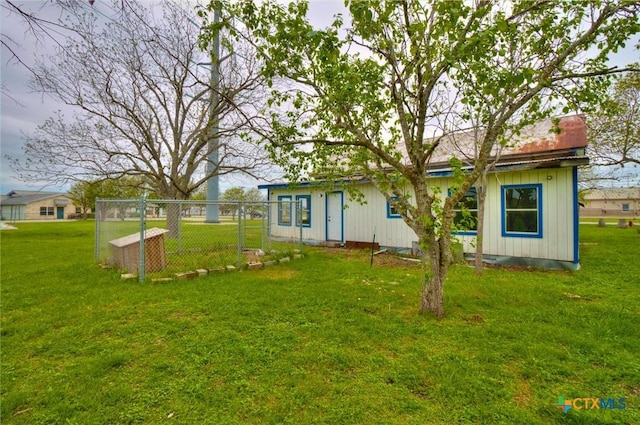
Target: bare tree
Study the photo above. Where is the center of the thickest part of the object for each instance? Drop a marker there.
(614, 137)
(35, 23)
(145, 107)
(614, 130)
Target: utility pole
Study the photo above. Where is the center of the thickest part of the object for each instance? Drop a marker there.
(213, 183)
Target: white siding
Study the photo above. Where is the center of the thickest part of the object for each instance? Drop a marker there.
(557, 240)
(361, 221)
(317, 230)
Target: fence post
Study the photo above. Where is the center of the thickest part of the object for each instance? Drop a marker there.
(268, 223)
(142, 265)
(179, 235)
(262, 235)
(96, 249)
(240, 237)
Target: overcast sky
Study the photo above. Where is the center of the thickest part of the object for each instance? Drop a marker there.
(23, 111)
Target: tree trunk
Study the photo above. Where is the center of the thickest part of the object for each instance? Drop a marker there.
(173, 220)
(437, 259)
(481, 191)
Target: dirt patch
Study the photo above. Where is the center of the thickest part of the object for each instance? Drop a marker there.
(277, 273)
(390, 259)
(635, 391)
(524, 394)
(381, 259)
(474, 319)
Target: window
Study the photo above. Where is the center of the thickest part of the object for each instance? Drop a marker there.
(304, 210)
(522, 210)
(392, 212)
(625, 207)
(466, 210)
(284, 210)
(46, 210)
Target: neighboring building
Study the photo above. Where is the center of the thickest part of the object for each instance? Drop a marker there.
(612, 202)
(36, 205)
(531, 209)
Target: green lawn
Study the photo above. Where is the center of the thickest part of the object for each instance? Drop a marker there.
(327, 339)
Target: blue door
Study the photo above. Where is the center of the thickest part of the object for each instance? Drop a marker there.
(60, 212)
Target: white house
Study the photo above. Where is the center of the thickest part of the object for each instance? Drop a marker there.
(531, 209)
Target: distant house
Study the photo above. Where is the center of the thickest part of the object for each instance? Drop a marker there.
(531, 209)
(612, 202)
(36, 205)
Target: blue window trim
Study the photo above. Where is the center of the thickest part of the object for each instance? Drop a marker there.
(308, 198)
(503, 211)
(389, 213)
(465, 232)
(281, 200)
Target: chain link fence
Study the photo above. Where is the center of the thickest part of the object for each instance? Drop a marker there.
(161, 238)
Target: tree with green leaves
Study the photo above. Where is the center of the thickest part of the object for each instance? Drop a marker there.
(254, 203)
(85, 193)
(234, 195)
(377, 94)
(231, 196)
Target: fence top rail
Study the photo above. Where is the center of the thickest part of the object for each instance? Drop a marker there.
(192, 201)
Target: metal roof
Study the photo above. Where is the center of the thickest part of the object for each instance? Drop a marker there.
(25, 197)
(551, 143)
(558, 162)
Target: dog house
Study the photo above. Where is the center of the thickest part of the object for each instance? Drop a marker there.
(126, 251)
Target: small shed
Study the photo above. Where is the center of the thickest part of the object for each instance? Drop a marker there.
(126, 251)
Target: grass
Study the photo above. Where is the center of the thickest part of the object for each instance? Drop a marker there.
(325, 340)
